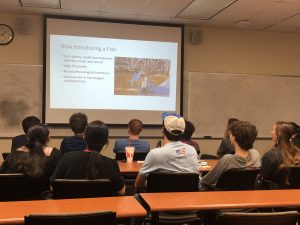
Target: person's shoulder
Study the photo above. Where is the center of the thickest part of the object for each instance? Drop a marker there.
(55, 152)
(272, 152)
(121, 142)
(227, 157)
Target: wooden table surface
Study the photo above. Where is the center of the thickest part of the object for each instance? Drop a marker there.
(124, 206)
(221, 200)
(135, 167)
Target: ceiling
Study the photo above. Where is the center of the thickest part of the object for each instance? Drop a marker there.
(264, 15)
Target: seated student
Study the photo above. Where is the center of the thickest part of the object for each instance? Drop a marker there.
(296, 135)
(187, 135)
(174, 156)
(22, 139)
(242, 135)
(283, 153)
(90, 164)
(135, 127)
(78, 123)
(226, 147)
(35, 159)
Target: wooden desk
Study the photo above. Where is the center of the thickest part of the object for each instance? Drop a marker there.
(124, 206)
(134, 167)
(221, 200)
(129, 168)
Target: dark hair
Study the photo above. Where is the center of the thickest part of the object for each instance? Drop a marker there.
(296, 129)
(189, 130)
(135, 126)
(29, 122)
(78, 122)
(284, 132)
(172, 137)
(33, 162)
(95, 136)
(244, 132)
(229, 122)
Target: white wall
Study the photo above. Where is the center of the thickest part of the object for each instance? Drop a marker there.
(221, 51)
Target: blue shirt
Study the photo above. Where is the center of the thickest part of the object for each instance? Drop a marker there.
(139, 145)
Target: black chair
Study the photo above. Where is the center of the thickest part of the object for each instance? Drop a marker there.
(174, 182)
(66, 188)
(208, 156)
(287, 178)
(272, 218)
(237, 179)
(138, 156)
(16, 187)
(90, 218)
(5, 154)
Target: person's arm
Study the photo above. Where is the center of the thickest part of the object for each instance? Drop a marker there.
(122, 191)
(118, 180)
(140, 182)
(213, 176)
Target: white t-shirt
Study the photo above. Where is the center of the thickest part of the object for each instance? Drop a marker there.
(172, 157)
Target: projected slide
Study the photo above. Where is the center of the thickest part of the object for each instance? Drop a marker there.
(106, 73)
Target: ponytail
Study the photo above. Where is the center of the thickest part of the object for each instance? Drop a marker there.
(94, 165)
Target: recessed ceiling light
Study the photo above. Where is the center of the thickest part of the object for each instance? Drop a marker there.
(243, 23)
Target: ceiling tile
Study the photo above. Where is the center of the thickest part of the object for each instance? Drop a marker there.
(10, 8)
(279, 28)
(277, 13)
(124, 6)
(243, 10)
(292, 21)
(9, 2)
(80, 13)
(90, 5)
(163, 19)
(37, 10)
(165, 8)
(204, 9)
(55, 4)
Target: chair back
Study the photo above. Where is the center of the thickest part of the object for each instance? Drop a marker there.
(138, 155)
(274, 218)
(16, 187)
(208, 156)
(237, 179)
(91, 218)
(287, 178)
(66, 188)
(172, 182)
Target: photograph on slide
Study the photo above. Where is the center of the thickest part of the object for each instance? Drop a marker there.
(142, 76)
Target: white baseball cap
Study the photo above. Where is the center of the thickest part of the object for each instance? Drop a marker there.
(174, 123)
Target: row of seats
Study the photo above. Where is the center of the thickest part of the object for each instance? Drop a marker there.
(156, 182)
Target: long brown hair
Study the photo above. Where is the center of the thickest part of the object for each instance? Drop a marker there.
(290, 153)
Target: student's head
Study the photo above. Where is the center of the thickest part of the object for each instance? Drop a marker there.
(78, 122)
(189, 130)
(173, 127)
(38, 135)
(296, 135)
(135, 126)
(96, 135)
(29, 122)
(243, 134)
(282, 132)
(229, 122)
(33, 163)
